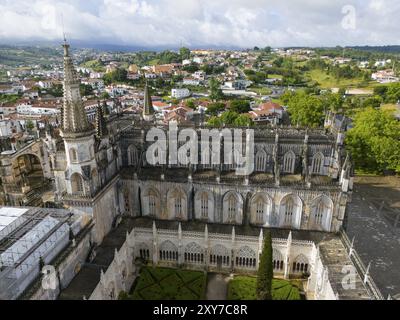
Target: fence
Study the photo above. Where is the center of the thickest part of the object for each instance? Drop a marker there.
(361, 269)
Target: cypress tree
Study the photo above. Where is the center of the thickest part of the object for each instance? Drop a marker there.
(265, 270)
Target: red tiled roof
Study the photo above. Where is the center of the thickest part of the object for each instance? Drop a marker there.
(270, 106)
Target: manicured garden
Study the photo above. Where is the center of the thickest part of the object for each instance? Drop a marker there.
(244, 288)
(155, 283)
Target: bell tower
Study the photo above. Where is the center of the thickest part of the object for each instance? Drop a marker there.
(78, 135)
(148, 110)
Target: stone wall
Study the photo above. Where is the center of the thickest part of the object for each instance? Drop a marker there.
(211, 252)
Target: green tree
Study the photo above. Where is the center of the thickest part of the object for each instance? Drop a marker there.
(85, 89)
(305, 110)
(184, 53)
(374, 140)
(243, 120)
(374, 102)
(215, 90)
(190, 103)
(229, 117)
(118, 75)
(240, 106)
(214, 122)
(333, 101)
(30, 125)
(215, 108)
(193, 67)
(104, 95)
(265, 270)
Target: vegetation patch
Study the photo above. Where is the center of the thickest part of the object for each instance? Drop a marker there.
(168, 284)
(244, 288)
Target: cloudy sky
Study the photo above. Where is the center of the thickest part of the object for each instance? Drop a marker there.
(202, 23)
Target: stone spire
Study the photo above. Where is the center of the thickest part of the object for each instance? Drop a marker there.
(148, 111)
(100, 122)
(74, 120)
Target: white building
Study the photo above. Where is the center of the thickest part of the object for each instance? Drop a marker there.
(385, 76)
(191, 81)
(45, 84)
(180, 93)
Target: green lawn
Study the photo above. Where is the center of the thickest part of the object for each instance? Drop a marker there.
(326, 81)
(168, 284)
(275, 76)
(260, 90)
(244, 288)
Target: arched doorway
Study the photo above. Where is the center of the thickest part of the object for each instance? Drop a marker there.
(28, 172)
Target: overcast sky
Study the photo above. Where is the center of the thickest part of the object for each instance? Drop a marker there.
(202, 23)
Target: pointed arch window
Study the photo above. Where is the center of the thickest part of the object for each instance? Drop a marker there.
(152, 205)
(178, 206)
(133, 156)
(232, 207)
(261, 158)
(289, 208)
(260, 210)
(289, 162)
(317, 163)
(319, 213)
(77, 183)
(204, 205)
(73, 155)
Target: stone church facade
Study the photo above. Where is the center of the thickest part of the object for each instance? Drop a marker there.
(199, 215)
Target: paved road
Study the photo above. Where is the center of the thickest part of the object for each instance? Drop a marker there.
(217, 286)
(376, 239)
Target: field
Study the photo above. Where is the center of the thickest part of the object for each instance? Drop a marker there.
(169, 284)
(244, 288)
(260, 90)
(326, 81)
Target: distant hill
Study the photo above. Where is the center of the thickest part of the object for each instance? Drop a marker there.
(395, 49)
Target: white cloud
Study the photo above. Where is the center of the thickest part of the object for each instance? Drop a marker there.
(244, 23)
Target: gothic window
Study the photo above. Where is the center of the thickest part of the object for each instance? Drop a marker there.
(277, 260)
(260, 210)
(300, 264)
(289, 162)
(77, 183)
(178, 206)
(317, 163)
(232, 202)
(193, 253)
(151, 201)
(144, 252)
(246, 258)
(219, 256)
(261, 158)
(126, 201)
(168, 251)
(206, 158)
(73, 155)
(321, 213)
(204, 205)
(235, 160)
(132, 156)
(289, 211)
(152, 205)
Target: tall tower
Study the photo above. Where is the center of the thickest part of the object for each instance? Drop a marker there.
(78, 135)
(148, 110)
